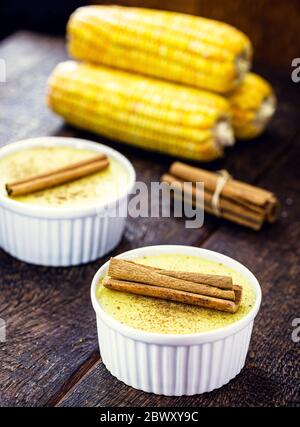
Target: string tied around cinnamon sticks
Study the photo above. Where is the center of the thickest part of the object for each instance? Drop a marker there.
(222, 180)
(205, 290)
(225, 196)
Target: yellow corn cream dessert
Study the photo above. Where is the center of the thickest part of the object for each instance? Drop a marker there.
(166, 317)
(99, 187)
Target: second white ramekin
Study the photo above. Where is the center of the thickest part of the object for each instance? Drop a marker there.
(63, 236)
(175, 365)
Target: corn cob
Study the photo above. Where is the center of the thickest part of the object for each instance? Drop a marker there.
(144, 112)
(253, 104)
(172, 46)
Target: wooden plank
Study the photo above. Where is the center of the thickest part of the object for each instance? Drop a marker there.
(50, 323)
(29, 60)
(271, 375)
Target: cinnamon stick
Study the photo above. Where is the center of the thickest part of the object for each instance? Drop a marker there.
(239, 202)
(238, 291)
(57, 176)
(125, 270)
(229, 209)
(234, 188)
(222, 282)
(171, 295)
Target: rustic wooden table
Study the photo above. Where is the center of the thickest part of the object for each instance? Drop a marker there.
(51, 354)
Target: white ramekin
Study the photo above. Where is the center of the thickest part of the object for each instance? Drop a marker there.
(62, 236)
(174, 365)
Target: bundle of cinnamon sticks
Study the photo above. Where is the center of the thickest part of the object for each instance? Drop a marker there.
(238, 202)
(205, 290)
(57, 177)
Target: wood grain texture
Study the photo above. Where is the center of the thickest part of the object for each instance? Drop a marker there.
(273, 26)
(29, 60)
(51, 327)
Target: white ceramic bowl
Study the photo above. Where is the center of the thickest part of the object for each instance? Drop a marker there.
(175, 365)
(62, 236)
